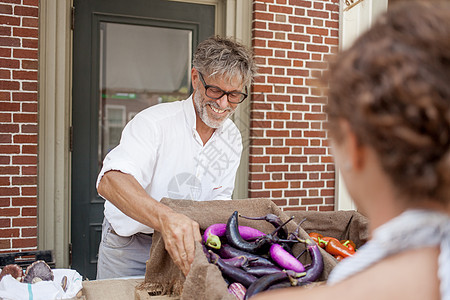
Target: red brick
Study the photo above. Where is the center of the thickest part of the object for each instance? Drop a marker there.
(5, 9)
(9, 106)
(315, 151)
(26, 128)
(30, 2)
(5, 138)
(9, 170)
(278, 80)
(9, 149)
(24, 243)
(29, 232)
(25, 118)
(295, 193)
(5, 181)
(256, 168)
(29, 211)
(25, 53)
(312, 201)
(262, 16)
(10, 42)
(9, 20)
(259, 177)
(25, 139)
(29, 86)
(280, 9)
(317, 48)
(280, 27)
(318, 31)
(5, 52)
(29, 96)
(5, 222)
(5, 31)
(25, 32)
(313, 168)
(300, 55)
(5, 244)
(276, 185)
(24, 201)
(9, 85)
(299, 20)
(30, 22)
(262, 34)
(11, 211)
(277, 133)
(25, 75)
(303, 3)
(30, 64)
(8, 233)
(29, 107)
(5, 74)
(24, 180)
(276, 168)
(259, 25)
(5, 96)
(26, 11)
(29, 191)
(318, 14)
(29, 170)
(262, 88)
(4, 160)
(263, 52)
(29, 149)
(279, 62)
(259, 194)
(24, 160)
(278, 115)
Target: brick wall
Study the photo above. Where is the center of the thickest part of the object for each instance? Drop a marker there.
(18, 124)
(289, 157)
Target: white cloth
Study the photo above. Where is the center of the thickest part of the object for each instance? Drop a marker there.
(411, 230)
(12, 289)
(162, 149)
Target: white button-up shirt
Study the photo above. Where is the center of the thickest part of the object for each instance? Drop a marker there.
(161, 148)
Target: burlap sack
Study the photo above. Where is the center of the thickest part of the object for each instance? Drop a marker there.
(205, 281)
(343, 225)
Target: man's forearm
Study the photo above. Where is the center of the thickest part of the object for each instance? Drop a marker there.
(127, 194)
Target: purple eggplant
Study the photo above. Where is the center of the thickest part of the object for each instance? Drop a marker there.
(266, 281)
(226, 251)
(219, 229)
(272, 219)
(259, 246)
(284, 259)
(260, 271)
(238, 290)
(238, 261)
(231, 272)
(315, 269)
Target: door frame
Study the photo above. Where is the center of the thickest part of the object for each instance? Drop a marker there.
(234, 18)
(354, 19)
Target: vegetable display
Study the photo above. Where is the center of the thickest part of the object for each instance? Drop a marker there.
(252, 261)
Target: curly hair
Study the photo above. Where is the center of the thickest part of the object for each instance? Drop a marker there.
(220, 56)
(393, 87)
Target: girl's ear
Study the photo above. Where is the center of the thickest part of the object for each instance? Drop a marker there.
(356, 152)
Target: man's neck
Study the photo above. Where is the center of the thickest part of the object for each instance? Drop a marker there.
(204, 130)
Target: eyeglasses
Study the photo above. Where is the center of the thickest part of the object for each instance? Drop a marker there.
(215, 92)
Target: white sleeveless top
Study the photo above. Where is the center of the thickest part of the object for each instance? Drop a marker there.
(411, 230)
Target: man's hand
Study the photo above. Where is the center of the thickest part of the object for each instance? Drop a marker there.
(180, 233)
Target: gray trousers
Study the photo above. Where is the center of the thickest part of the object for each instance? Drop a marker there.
(120, 256)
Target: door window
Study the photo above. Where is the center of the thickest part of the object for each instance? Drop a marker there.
(140, 66)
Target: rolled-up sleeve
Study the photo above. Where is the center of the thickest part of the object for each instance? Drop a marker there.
(136, 153)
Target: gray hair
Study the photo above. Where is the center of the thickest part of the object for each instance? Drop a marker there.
(219, 56)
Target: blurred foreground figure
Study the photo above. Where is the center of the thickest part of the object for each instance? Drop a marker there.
(389, 123)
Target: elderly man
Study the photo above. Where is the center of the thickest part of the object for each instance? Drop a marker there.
(187, 149)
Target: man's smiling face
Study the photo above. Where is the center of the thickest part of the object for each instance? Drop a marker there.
(214, 112)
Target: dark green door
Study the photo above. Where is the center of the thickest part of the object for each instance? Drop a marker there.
(128, 55)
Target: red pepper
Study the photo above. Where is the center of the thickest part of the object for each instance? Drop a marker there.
(334, 247)
(349, 244)
(338, 257)
(317, 237)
